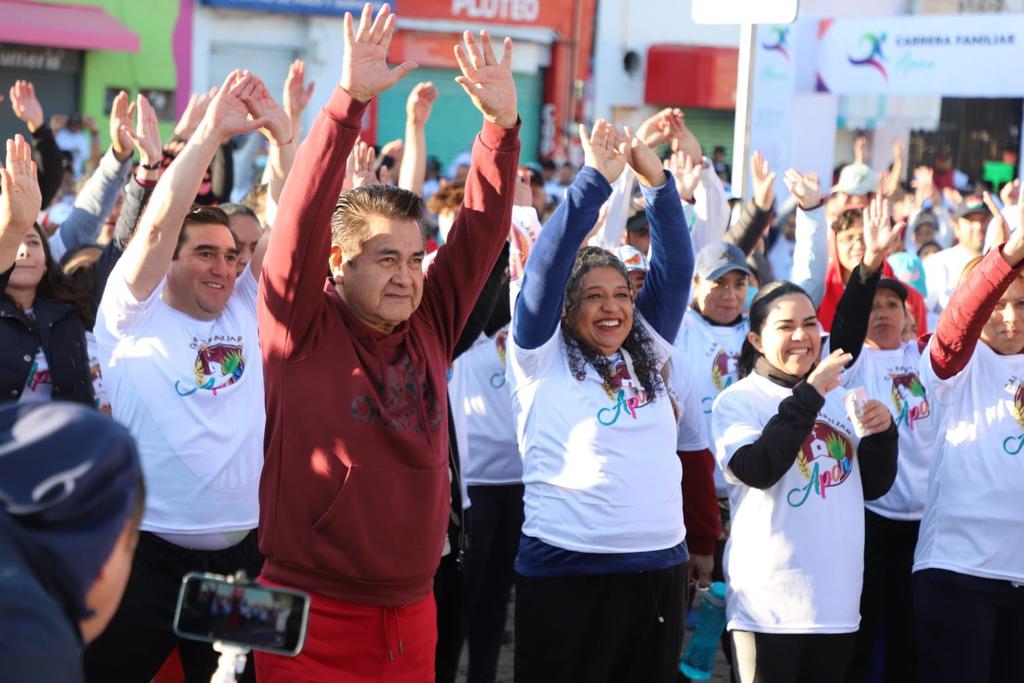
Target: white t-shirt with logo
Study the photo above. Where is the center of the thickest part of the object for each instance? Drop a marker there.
(693, 427)
(795, 557)
(891, 376)
(493, 451)
(601, 471)
(191, 393)
(456, 397)
(713, 354)
(96, 374)
(974, 516)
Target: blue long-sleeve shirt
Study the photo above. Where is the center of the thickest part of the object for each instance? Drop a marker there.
(665, 294)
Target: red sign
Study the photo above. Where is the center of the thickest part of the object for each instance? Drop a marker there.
(556, 14)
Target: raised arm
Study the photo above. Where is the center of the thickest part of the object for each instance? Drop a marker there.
(47, 156)
(149, 255)
(295, 265)
(481, 226)
(710, 207)
(20, 200)
(810, 253)
(417, 110)
(666, 292)
(281, 155)
(538, 306)
(971, 306)
(757, 214)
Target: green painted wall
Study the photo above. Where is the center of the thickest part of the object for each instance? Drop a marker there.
(151, 67)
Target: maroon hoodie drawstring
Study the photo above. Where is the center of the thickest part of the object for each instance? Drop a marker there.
(389, 616)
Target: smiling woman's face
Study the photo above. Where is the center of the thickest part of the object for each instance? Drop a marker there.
(605, 315)
(790, 340)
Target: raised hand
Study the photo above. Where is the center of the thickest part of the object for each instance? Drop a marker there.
(826, 376)
(880, 237)
(601, 150)
(146, 135)
(682, 138)
(20, 198)
(364, 66)
(278, 127)
(487, 81)
(363, 160)
(394, 149)
(860, 149)
(419, 103)
(26, 105)
(657, 129)
(296, 93)
(686, 172)
(228, 113)
(121, 113)
(763, 180)
(642, 160)
(805, 188)
(194, 112)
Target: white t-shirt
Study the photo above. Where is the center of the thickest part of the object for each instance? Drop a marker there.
(942, 272)
(493, 451)
(96, 373)
(693, 426)
(191, 393)
(892, 378)
(456, 397)
(78, 144)
(38, 383)
(601, 472)
(713, 354)
(795, 557)
(974, 516)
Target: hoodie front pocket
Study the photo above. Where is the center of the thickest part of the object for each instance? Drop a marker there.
(385, 525)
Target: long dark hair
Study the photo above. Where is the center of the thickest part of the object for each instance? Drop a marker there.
(55, 285)
(759, 309)
(638, 343)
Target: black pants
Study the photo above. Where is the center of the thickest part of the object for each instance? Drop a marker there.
(968, 628)
(140, 637)
(448, 591)
(600, 629)
(886, 603)
(791, 657)
(490, 572)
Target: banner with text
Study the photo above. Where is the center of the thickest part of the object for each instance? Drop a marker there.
(960, 55)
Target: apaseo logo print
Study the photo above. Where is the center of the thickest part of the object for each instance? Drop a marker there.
(825, 460)
(875, 57)
(777, 42)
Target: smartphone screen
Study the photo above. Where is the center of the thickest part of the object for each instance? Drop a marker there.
(210, 608)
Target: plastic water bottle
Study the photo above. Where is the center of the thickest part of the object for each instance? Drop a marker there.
(699, 661)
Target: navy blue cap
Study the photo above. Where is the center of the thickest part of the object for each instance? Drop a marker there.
(718, 258)
(69, 477)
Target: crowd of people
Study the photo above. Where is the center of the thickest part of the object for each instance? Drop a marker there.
(405, 394)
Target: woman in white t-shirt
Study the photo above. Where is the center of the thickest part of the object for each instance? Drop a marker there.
(968, 578)
(601, 568)
(798, 476)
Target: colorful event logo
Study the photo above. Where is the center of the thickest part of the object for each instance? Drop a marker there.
(909, 399)
(779, 36)
(825, 460)
(875, 56)
(725, 369)
(629, 397)
(217, 366)
(1012, 445)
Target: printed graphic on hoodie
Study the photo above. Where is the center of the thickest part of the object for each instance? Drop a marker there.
(825, 461)
(396, 403)
(1012, 445)
(217, 366)
(909, 398)
(629, 396)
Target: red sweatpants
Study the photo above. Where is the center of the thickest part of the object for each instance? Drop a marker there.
(350, 643)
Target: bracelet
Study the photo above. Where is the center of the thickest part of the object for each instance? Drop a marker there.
(152, 167)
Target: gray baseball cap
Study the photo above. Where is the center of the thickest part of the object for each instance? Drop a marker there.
(718, 258)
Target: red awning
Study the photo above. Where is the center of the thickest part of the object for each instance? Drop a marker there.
(691, 76)
(75, 27)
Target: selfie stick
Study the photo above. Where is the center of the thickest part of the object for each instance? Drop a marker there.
(231, 662)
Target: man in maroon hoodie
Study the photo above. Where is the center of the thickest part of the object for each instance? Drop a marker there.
(354, 496)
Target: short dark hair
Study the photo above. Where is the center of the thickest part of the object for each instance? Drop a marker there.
(351, 218)
(238, 210)
(448, 197)
(848, 219)
(200, 215)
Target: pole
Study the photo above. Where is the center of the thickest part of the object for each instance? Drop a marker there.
(744, 104)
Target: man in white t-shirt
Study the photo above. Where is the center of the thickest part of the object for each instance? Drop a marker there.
(942, 270)
(178, 342)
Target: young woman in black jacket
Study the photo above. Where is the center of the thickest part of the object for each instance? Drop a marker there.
(42, 319)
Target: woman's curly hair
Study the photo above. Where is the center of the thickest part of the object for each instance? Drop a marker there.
(638, 343)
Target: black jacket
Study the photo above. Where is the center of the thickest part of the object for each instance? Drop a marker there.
(59, 329)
